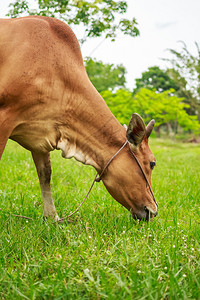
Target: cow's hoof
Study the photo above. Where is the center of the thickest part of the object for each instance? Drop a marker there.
(53, 219)
(56, 219)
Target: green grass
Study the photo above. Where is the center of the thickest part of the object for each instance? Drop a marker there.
(101, 253)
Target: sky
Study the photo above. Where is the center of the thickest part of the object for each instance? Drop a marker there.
(162, 24)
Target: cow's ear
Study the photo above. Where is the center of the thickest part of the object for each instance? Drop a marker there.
(149, 128)
(136, 130)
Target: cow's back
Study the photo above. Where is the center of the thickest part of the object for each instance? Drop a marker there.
(35, 46)
(43, 83)
(41, 72)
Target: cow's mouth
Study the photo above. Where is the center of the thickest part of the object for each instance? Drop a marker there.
(144, 214)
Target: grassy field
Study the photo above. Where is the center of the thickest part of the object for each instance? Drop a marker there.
(101, 252)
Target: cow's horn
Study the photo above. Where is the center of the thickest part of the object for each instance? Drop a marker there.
(149, 128)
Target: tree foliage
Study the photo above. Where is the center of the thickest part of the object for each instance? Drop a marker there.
(157, 79)
(184, 92)
(120, 103)
(183, 77)
(97, 16)
(188, 66)
(165, 108)
(105, 76)
(185, 72)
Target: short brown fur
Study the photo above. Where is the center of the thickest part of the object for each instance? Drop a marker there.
(47, 102)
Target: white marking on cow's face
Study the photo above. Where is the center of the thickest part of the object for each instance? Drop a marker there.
(153, 211)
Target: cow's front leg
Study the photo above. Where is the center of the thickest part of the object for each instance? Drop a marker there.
(43, 166)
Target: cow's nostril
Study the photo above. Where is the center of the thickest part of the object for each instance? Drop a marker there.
(156, 213)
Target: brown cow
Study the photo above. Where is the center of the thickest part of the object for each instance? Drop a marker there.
(47, 102)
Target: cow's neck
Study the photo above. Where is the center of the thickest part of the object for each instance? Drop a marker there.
(91, 134)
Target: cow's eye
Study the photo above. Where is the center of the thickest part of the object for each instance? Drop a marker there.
(152, 164)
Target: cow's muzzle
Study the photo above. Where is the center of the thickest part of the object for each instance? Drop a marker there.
(145, 214)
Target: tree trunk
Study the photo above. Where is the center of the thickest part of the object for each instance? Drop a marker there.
(157, 129)
(170, 131)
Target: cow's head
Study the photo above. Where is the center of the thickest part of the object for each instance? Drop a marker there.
(124, 179)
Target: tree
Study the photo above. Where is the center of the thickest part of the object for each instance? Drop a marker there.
(157, 79)
(120, 103)
(184, 92)
(166, 108)
(186, 65)
(105, 76)
(97, 16)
